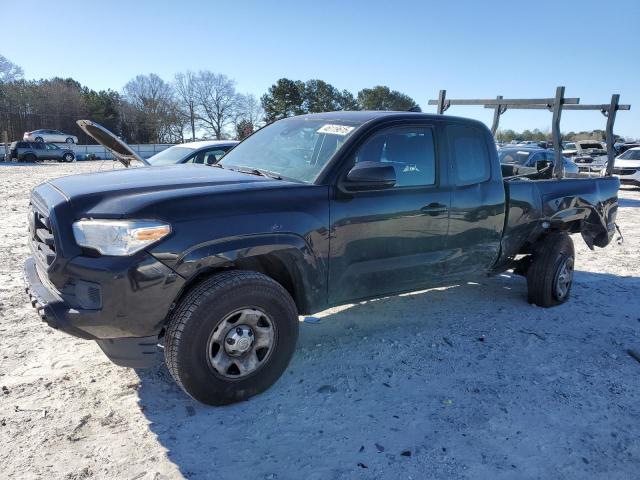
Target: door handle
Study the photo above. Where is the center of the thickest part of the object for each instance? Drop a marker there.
(434, 209)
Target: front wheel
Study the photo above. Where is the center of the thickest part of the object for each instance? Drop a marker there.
(550, 275)
(231, 337)
(70, 140)
(68, 157)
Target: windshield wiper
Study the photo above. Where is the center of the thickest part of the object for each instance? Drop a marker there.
(257, 171)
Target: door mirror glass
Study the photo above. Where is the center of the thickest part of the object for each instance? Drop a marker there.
(370, 176)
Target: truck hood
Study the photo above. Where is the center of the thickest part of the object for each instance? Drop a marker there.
(118, 148)
(119, 192)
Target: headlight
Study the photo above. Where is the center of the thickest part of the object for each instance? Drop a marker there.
(119, 237)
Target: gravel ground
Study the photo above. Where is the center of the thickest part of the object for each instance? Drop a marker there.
(468, 381)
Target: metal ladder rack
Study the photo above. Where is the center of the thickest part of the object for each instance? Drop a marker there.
(555, 105)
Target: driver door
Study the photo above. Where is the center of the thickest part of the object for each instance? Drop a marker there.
(391, 240)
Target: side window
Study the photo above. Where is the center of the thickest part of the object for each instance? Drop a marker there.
(23, 145)
(410, 150)
(535, 158)
(470, 155)
(38, 145)
(191, 158)
(211, 157)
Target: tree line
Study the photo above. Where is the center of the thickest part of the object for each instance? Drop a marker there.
(541, 136)
(192, 105)
(150, 109)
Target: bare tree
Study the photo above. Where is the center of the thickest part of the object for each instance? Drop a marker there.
(185, 87)
(9, 71)
(152, 107)
(247, 116)
(216, 101)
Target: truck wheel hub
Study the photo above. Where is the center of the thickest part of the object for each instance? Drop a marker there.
(239, 340)
(564, 278)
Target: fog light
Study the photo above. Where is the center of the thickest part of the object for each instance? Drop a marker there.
(89, 295)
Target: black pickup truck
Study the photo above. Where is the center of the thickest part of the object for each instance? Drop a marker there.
(215, 263)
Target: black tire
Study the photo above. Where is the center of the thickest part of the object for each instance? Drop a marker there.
(39, 139)
(30, 158)
(550, 275)
(69, 140)
(202, 311)
(68, 157)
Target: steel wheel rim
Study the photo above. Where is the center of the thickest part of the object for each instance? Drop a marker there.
(564, 278)
(220, 352)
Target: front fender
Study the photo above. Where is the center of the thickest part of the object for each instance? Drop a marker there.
(308, 271)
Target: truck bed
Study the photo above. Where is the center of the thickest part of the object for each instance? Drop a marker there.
(585, 205)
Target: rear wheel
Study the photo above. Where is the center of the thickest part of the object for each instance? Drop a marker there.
(231, 337)
(70, 140)
(550, 275)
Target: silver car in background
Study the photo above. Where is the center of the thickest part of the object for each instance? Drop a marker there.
(206, 152)
(52, 136)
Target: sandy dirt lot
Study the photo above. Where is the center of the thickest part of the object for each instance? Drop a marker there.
(463, 382)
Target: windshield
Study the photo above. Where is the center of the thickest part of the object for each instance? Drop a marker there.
(569, 146)
(587, 146)
(295, 148)
(630, 155)
(169, 156)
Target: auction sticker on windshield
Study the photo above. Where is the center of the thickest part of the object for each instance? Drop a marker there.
(332, 129)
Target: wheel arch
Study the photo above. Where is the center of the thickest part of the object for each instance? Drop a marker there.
(286, 258)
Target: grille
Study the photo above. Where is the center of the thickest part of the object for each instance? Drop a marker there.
(41, 234)
(624, 171)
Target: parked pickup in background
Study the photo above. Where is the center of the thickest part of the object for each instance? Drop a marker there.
(588, 155)
(216, 263)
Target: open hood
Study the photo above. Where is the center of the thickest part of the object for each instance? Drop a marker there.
(119, 149)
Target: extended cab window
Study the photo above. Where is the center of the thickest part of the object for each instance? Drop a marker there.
(410, 150)
(470, 155)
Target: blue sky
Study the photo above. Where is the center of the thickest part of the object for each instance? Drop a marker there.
(471, 48)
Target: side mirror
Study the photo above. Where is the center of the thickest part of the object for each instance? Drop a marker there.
(370, 176)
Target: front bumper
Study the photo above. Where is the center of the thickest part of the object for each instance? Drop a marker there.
(136, 296)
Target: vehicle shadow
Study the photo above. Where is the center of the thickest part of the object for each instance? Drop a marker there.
(372, 381)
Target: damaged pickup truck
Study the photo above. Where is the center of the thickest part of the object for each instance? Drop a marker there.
(215, 263)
